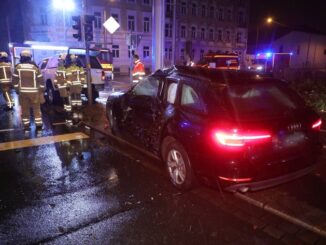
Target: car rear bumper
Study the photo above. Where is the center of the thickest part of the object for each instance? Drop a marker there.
(263, 184)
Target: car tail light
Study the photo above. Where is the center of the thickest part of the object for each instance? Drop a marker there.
(236, 138)
(317, 125)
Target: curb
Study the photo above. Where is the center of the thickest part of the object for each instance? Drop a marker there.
(281, 214)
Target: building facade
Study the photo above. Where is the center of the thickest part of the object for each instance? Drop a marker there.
(308, 49)
(200, 27)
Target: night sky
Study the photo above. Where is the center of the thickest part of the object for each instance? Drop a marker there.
(311, 14)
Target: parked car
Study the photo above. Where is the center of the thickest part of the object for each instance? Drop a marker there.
(230, 128)
(49, 67)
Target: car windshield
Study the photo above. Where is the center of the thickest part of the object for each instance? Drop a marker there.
(93, 60)
(260, 100)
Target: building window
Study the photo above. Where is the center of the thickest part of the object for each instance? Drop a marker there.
(183, 8)
(131, 23)
(202, 34)
(220, 14)
(211, 12)
(239, 37)
(98, 20)
(203, 10)
(183, 32)
(182, 54)
(116, 17)
(44, 18)
(146, 2)
(201, 54)
(146, 24)
(229, 15)
(145, 51)
(115, 51)
(241, 18)
(169, 7)
(168, 53)
(219, 35)
(211, 35)
(193, 32)
(227, 36)
(194, 9)
(168, 30)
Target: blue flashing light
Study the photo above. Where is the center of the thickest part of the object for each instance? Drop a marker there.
(268, 54)
(291, 53)
(63, 4)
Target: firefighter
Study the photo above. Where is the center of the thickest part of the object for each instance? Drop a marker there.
(75, 77)
(139, 70)
(28, 81)
(5, 80)
(61, 81)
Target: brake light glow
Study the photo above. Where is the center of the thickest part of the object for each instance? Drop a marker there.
(236, 139)
(317, 124)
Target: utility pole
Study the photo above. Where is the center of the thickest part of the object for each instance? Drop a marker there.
(87, 44)
(158, 20)
(174, 27)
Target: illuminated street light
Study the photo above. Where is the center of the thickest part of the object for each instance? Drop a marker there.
(68, 5)
(269, 20)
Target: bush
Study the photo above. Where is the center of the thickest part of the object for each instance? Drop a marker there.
(313, 92)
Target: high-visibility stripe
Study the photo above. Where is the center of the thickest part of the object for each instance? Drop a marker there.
(42, 141)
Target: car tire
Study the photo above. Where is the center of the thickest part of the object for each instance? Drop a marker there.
(178, 164)
(112, 121)
(52, 97)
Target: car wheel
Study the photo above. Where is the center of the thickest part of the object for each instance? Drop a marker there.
(112, 121)
(178, 165)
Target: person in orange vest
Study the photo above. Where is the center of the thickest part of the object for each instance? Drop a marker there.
(139, 70)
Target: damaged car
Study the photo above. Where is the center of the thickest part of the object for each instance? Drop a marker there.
(233, 129)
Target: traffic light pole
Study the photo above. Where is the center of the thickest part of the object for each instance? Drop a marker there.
(88, 70)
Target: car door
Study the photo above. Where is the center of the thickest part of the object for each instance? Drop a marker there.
(141, 112)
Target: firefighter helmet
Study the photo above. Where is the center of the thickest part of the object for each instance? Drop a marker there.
(26, 53)
(3, 55)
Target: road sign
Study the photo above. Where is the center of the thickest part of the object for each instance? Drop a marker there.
(111, 25)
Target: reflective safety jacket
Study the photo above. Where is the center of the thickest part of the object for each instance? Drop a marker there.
(138, 72)
(5, 73)
(60, 77)
(27, 78)
(75, 75)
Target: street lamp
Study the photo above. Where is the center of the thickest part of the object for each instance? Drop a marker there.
(64, 5)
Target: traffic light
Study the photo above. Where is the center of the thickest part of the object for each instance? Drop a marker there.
(77, 26)
(88, 27)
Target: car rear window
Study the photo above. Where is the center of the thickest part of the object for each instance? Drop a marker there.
(263, 100)
(260, 100)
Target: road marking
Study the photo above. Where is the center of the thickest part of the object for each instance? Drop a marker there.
(41, 141)
(58, 123)
(8, 130)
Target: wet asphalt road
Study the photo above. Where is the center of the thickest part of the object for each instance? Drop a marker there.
(98, 191)
(85, 192)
